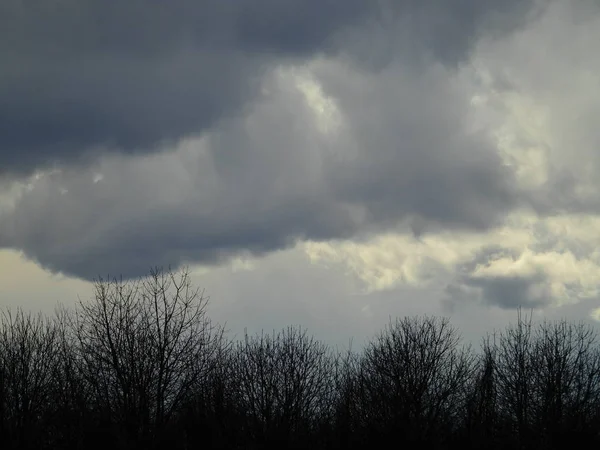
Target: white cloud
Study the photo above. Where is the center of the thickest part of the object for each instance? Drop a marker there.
(552, 248)
(327, 114)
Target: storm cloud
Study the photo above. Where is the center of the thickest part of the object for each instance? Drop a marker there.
(83, 76)
(144, 133)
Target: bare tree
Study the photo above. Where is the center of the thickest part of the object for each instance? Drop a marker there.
(540, 384)
(143, 345)
(70, 416)
(283, 385)
(481, 414)
(567, 379)
(212, 417)
(347, 386)
(515, 377)
(414, 375)
(27, 356)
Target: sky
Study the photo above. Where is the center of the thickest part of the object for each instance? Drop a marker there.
(324, 163)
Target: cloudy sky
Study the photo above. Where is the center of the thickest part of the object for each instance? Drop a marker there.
(327, 163)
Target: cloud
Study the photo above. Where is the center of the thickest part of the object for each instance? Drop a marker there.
(540, 82)
(82, 77)
(209, 132)
(530, 261)
(496, 276)
(595, 314)
(85, 76)
(325, 153)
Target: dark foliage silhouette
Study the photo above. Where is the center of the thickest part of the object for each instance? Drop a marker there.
(141, 366)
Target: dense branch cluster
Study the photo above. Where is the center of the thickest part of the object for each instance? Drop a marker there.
(142, 366)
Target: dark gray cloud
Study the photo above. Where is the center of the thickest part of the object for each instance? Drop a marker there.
(83, 76)
(416, 156)
(132, 76)
(504, 290)
(261, 182)
(438, 30)
(207, 149)
(513, 291)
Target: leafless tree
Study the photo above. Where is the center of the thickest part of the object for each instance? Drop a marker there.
(70, 413)
(142, 345)
(515, 377)
(283, 385)
(28, 347)
(481, 414)
(542, 383)
(566, 359)
(212, 417)
(414, 375)
(348, 392)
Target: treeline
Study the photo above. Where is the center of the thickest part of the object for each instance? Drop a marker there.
(141, 366)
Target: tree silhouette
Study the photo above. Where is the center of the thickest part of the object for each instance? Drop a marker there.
(567, 381)
(481, 418)
(142, 346)
(283, 385)
(27, 355)
(140, 365)
(413, 375)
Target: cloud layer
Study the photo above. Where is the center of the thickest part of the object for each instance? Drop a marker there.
(326, 153)
(84, 76)
(536, 92)
(445, 142)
